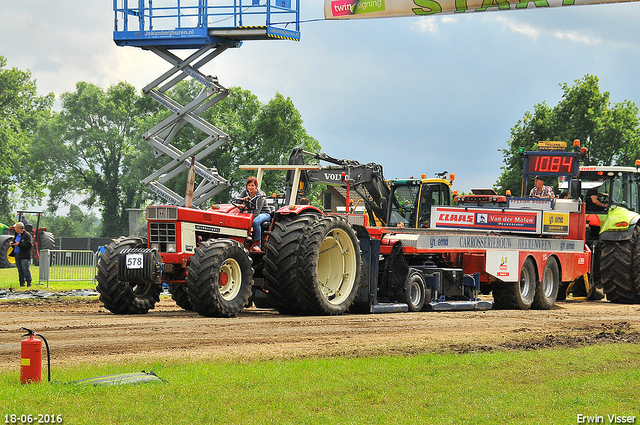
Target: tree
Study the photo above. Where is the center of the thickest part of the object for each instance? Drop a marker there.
(21, 111)
(76, 224)
(83, 151)
(611, 133)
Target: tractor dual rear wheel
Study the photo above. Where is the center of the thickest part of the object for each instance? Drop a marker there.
(220, 278)
(123, 297)
(620, 269)
(331, 264)
(281, 269)
(312, 265)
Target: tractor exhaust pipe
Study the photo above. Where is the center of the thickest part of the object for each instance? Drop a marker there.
(191, 181)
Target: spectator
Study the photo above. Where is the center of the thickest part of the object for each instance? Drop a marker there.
(22, 252)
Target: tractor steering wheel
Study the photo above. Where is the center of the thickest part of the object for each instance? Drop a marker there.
(241, 204)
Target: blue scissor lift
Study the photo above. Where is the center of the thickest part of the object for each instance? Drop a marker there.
(205, 29)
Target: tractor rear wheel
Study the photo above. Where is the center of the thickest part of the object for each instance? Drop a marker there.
(330, 264)
(281, 263)
(47, 241)
(180, 296)
(619, 269)
(517, 295)
(547, 289)
(123, 297)
(6, 260)
(636, 262)
(219, 278)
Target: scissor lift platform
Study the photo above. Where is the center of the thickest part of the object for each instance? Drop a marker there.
(191, 24)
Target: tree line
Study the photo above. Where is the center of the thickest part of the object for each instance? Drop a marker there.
(91, 150)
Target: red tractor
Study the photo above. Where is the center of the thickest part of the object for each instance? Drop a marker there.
(311, 261)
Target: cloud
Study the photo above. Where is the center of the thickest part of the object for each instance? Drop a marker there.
(518, 27)
(447, 19)
(576, 37)
(426, 24)
(429, 24)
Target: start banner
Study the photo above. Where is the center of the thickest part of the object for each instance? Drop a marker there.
(351, 9)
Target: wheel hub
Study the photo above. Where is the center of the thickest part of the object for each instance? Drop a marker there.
(336, 265)
(230, 279)
(223, 280)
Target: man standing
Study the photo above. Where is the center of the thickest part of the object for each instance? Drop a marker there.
(22, 251)
(540, 190)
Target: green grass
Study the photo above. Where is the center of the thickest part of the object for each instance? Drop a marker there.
(545, 386)
(9, 279)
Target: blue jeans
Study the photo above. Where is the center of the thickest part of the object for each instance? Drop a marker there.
(24, 274)
(257, 230)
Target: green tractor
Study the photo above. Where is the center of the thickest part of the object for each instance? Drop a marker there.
(612, 201)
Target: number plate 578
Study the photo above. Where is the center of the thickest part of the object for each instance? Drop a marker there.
(134, 261)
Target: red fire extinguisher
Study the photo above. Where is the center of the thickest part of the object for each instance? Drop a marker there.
(31, 358)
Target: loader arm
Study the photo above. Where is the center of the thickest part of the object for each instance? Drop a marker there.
(343, 172)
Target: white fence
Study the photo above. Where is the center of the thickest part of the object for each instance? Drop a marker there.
(67, 265)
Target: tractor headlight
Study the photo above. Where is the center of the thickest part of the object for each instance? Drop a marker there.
(171, 247)
(155, 246)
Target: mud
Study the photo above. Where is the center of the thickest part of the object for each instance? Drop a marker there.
(82, 331)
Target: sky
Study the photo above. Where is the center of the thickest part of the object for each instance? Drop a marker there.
(415, 94)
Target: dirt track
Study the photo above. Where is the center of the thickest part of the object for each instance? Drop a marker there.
(84, 332)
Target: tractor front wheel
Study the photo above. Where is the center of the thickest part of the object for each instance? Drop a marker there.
(219, 278)
(123, 297)
(180, 296)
